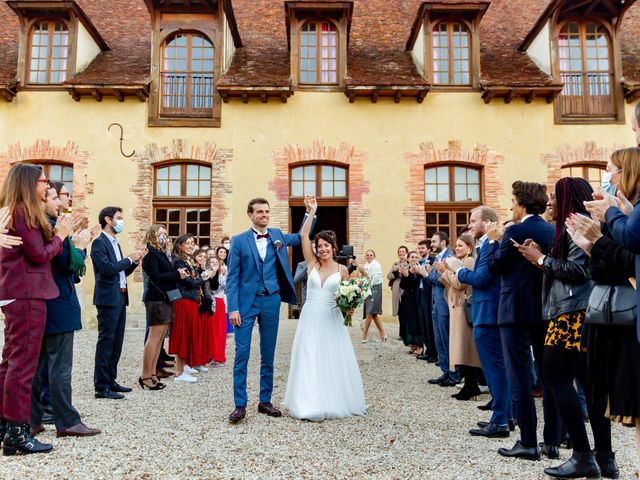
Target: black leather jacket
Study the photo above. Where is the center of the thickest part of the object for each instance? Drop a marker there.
(567, 285)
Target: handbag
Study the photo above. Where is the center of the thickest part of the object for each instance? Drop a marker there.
(468, 313)
(612, 305)
(172, 295)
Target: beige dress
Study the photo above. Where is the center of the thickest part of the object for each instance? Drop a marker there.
(396, 291)
(462, 348)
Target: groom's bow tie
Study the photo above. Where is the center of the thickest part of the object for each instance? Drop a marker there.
(260, 235)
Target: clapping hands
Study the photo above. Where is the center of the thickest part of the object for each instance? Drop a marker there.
(82, 238)
(584, 231)
(7, 241)
(601, 203)
(453, 263)
(495, 231)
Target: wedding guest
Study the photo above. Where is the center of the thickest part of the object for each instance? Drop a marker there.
(408, 309)
(217, 287)
(62, 320)
(65, 197)
(425, 300)
(486, 294)
(185, 310)
(226, 242)
(111, 298)
(222, 255)
(203, 329)
(373, 303)
(161, 278)
(26, 281)
(394, 279)
(462, 349)
(520, 313)
(566, 290)
(440, 311)
(300, 280)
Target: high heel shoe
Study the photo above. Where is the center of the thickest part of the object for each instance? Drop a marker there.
(156, 385)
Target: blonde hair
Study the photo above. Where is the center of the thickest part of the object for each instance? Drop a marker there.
(151, 237)
(628, 160)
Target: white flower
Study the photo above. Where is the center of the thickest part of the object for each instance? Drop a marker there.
(344, 290)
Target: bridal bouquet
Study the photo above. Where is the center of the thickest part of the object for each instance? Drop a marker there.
(351, 294)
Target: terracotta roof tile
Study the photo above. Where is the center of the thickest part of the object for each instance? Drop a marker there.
(631, 44)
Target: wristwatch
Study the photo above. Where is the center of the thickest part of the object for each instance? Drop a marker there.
(541, 260)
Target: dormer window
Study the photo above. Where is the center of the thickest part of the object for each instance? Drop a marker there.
(451, 54)
(49, 52)
(445, 43)
(318, 35)
(319, 53)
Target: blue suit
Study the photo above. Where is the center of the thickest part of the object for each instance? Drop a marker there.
(626, 231)
(521, 326)
(255, 289)
(440, 315)
(485, 298)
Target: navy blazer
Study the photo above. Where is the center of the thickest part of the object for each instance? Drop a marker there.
(63, 312)
(521, 288)
(438, 290)
(486, 289)
(626, 231)
(106, 269)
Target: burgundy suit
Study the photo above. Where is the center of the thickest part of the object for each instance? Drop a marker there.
(25, 275)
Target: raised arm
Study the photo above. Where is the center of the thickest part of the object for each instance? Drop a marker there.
(307, 251)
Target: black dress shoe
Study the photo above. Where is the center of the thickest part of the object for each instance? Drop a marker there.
(449, 382)
(512, 425)
(238, 414)
(423, 357)
(119, 388)
(47, 419)
(581, 464)
(492, 430)
(520, 451)
(486, 407)
(269, 409)
(549, 451)
(110, 394)
(607, 463)
(440, 379)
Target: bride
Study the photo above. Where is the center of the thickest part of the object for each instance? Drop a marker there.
(324, 378)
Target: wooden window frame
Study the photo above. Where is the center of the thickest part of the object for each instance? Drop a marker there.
(166, 24)
(297, 20)
(327, 201)
(615, 67)
(318, 46)
(49, 58)
(450, 49)
(182, 202)
(189, 111)
(585, 166)
(46, 168)
(452, 210)
(453, 207)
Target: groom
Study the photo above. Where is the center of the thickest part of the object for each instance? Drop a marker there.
(259, 279)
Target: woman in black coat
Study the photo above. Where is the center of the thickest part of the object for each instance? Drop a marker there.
(162, 278)
(411, 332)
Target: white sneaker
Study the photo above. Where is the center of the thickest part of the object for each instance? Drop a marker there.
(185, 378)
(190, 371)
(201, 368)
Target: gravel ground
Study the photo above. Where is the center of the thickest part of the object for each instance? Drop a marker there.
(412, 429)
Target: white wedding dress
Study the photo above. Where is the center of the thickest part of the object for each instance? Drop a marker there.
(324, 378)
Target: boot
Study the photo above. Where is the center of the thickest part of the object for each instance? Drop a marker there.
(18, 439)
(607, 463)
(581, 464)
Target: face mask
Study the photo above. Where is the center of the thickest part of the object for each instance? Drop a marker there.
(162, 239)
(226, 245)
(119, 226)
(607, 186)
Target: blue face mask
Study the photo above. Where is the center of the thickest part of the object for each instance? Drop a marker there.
(119, 227)
(607, 186)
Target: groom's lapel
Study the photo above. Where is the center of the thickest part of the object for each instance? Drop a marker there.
(275, 234)
(254, 250)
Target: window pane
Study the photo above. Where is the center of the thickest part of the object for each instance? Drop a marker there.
(461, 193)
(339, 173)
(461, 175)
(192, 215)
(205, 215)
(192, 172)
(430, 175)
(327, 189)
(340, 189)
(174, 188)
(296, 173)
(162, 189)
(67, 174)
(174, 230)
(192, 189)
(443, 193)
(443, 174)
(162, 173)
(474, 193)
(309, 188)
(327, 172)
(430, 193)
(174, 215)
(309, 173)
(205, 188)
(161, 215)
(55, 172)
(296, 189)
(174, 172)
(473, 175)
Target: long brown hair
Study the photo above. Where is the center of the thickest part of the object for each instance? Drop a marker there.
(20, 190)
(628, 160)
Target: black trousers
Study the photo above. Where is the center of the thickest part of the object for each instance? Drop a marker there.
(111, 323)
(517, 343)
(426, 320)
(56, 362)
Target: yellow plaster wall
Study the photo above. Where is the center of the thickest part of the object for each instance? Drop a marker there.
(385, 131)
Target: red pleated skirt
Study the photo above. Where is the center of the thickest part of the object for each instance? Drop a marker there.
(185, 337)
(206, 337)
(219, 345)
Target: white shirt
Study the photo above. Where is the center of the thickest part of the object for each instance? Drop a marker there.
(528, 215)
(261, 243)
(116, 250)
(374, 272)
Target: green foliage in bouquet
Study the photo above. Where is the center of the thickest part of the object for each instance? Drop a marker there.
(350, 295)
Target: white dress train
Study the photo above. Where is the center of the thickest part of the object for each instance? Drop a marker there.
(324, 378)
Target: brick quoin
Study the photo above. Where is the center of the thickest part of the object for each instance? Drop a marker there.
(179, 152)
(588, 153)
(42, 151)
(318, 152)
(489, 161)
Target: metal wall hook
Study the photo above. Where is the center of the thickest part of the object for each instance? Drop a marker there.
(121, 139)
